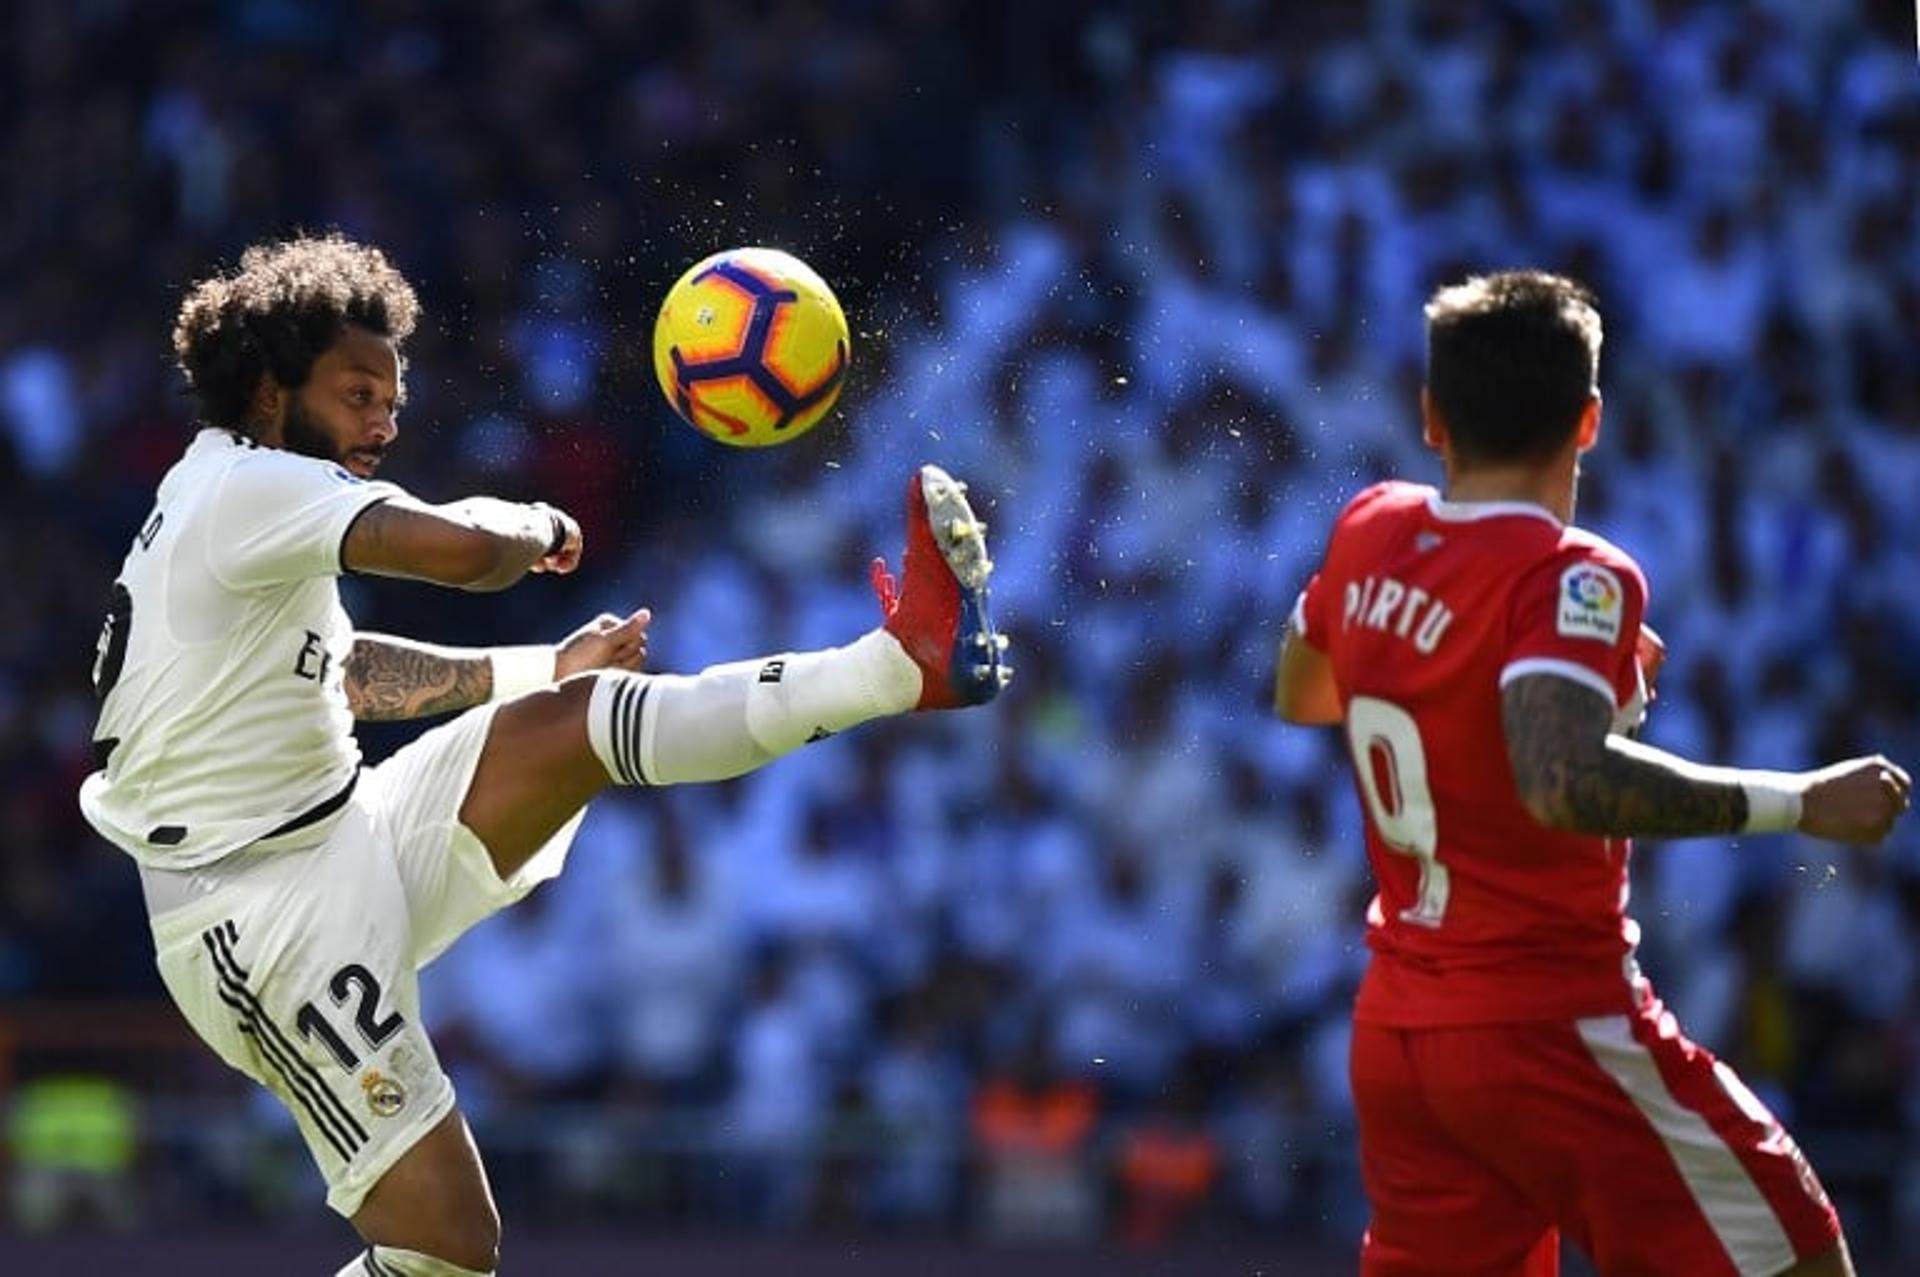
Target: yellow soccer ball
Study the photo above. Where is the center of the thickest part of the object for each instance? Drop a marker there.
(751, 347)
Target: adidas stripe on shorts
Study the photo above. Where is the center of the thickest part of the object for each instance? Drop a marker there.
(301, 967)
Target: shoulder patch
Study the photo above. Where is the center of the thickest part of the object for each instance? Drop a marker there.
(1592, 603)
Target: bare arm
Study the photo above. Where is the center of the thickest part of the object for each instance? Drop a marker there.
(480, 543)
(1574, 772)
(1303, 688)
(394, 678)
(390, 678)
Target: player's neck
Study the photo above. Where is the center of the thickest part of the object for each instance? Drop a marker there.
(1549, 487)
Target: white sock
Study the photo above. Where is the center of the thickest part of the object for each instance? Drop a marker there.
(668, 729)
(386, 1261)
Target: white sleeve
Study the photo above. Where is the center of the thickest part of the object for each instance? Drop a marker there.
(281, 517)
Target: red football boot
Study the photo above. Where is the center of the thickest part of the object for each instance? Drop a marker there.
(938, 614)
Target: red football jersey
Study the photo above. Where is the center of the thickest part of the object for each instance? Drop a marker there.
(1425, 608)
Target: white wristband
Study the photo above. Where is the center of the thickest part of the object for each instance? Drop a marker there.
(517, 670)
(1773, 801)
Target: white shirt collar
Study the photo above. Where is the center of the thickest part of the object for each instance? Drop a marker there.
(1468, 511)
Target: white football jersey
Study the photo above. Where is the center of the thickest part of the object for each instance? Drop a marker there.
(223, 718)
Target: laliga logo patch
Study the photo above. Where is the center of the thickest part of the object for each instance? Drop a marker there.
(385, 1097)
(1590, 603)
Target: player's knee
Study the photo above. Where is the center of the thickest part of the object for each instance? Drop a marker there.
(581, 685)
(540, 720)
(564, 706)
(557, 700)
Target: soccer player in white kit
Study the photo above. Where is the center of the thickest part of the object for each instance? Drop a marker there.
(294, 895)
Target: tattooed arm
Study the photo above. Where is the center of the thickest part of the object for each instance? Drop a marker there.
(392, 678)
(1574, 772)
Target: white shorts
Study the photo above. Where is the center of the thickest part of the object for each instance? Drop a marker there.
(300, 967)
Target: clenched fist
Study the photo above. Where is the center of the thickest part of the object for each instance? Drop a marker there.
(1855, 801)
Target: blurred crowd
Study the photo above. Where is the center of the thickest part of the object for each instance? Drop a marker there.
(1149, 276)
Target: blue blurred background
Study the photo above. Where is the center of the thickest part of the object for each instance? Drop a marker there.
(1073, 971)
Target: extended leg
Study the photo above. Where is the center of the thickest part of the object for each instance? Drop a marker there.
(547, 754)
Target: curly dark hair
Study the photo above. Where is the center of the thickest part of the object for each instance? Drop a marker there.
(282, 309)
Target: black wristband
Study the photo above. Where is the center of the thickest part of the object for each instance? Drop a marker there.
(559, 541)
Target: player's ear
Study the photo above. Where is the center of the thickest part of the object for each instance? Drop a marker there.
(1433, 427)
(1588, 432)
(267, 408)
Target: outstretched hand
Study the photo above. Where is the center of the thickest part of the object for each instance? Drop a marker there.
(605, 642)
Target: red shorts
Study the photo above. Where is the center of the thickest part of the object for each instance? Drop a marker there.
(1480, 1145)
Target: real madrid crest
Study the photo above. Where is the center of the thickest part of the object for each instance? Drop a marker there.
(385, 1097)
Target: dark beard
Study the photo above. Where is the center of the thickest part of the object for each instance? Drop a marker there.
(302, 434)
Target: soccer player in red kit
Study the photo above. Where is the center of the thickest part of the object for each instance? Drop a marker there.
(1513, 1073)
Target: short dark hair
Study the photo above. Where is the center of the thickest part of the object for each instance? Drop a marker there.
(1512, 359)
(286, 304)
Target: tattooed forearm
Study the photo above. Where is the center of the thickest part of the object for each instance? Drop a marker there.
(1574, 772)
(390, 678)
